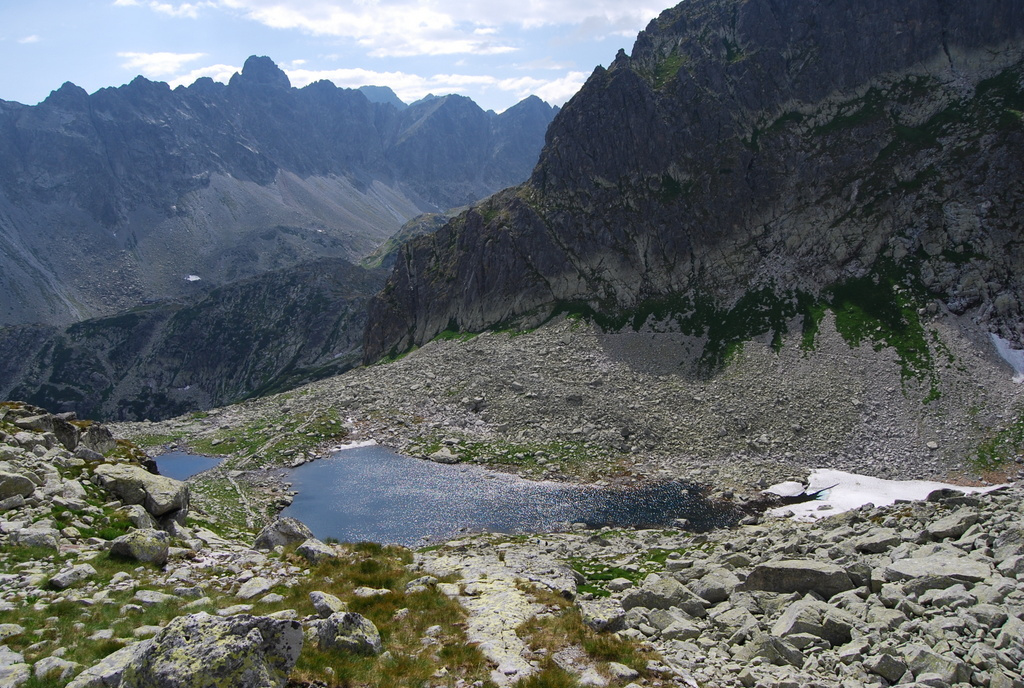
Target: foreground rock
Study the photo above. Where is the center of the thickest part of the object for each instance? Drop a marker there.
(161, 496)
(925, 593)
(202, 650)
(282, 532)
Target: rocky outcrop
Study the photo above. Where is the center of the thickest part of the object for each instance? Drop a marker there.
(748, 164)
(159, 495)
(264, 334)
(176, 190)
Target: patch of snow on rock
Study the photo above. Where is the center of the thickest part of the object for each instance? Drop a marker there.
(1015, 357)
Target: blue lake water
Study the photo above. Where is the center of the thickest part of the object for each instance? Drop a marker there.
(374, 494)
(179, 465)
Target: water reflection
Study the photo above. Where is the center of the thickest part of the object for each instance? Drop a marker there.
(180, 466)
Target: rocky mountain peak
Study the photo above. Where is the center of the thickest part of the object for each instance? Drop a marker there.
(261, 70)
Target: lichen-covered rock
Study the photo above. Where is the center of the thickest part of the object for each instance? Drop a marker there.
(108, 671)
(134, 485)
(202, 650)
(283, 531)
(149, 546)
(349, 632)
(14, 675)
(47, 538)
(54, 668)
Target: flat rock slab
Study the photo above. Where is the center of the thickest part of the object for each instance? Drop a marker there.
(957, 568)
(799, 575)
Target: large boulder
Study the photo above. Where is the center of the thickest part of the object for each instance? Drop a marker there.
(109, 670)
(15, 484)
(159, 495)
(799, 575)
(97, 438)
(314, 551)
(944, 565)
(147, 545)
(284, 531)
(201, 650)
(349, 632)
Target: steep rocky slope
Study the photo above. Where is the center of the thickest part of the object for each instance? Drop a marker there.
(749, 166)
(254, 336)
(110, 199)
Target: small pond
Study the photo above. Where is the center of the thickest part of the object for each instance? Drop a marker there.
(180, 466)
(374, 494)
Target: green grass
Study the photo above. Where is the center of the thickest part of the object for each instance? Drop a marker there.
(1002, 446)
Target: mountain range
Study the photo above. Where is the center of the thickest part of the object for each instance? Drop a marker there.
(143, 192)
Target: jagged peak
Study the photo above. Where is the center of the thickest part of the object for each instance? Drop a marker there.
(261, 70)
(68, 95)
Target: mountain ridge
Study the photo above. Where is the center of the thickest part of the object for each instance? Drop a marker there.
(224, 181)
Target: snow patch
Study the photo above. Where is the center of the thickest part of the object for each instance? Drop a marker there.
(850, 491)
(354, 445)
(193, 278)
(1015, 357)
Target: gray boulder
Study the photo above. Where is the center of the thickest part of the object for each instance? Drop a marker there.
(663, 593)
(147, 545)
(15, 485)
(938, 565)
(314, 551)
(349, 632)
(326, 604)
(135, 485)
(952, 526)
(108, 671)
(14, 675)
(602, 614)
(284, 531)
(47, 538)
(75, 574)
(799, 575)
(202, 650)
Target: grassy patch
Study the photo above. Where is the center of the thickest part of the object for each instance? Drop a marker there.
(1002, 446)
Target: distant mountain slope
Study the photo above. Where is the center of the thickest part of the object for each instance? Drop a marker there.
(255, 336)
(751, 164)
(110, 199)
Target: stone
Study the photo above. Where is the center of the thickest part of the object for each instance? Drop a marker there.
(602, 614)
(158, 494)
(887, 666)
(75, 574)
(15, 485)
(364, 591)
(681, 630)
(14, 675)
(799, 575)
(955, 567)
(349, 632)
(108, 671)
(54, 668)
(282, 532)
(203, 650)
(9, 630)
(921, 660)
(254, 587)
(952, 526)
(148, 546)
(877, 541)
(663, 593)
(138, 516)
(771, 649)
(314, 551)
(153, 597)
(9, 656)
(326, 604)
(46, 538)
(715, 586)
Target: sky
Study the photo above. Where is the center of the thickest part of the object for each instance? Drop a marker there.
(497, 52)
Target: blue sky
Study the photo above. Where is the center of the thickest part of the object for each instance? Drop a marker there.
(497, 52)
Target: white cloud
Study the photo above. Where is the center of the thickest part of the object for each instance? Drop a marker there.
(158, 64)
(29, 39)
(217, 72)
(554, 91)
(404, 28)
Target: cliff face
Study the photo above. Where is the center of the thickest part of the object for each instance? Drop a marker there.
(110, 199)
(255, 336)
(750, 162)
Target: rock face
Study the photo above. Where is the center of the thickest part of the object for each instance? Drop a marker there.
(749, 161)
(258, 335)
(203, 650)
(226, 181)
